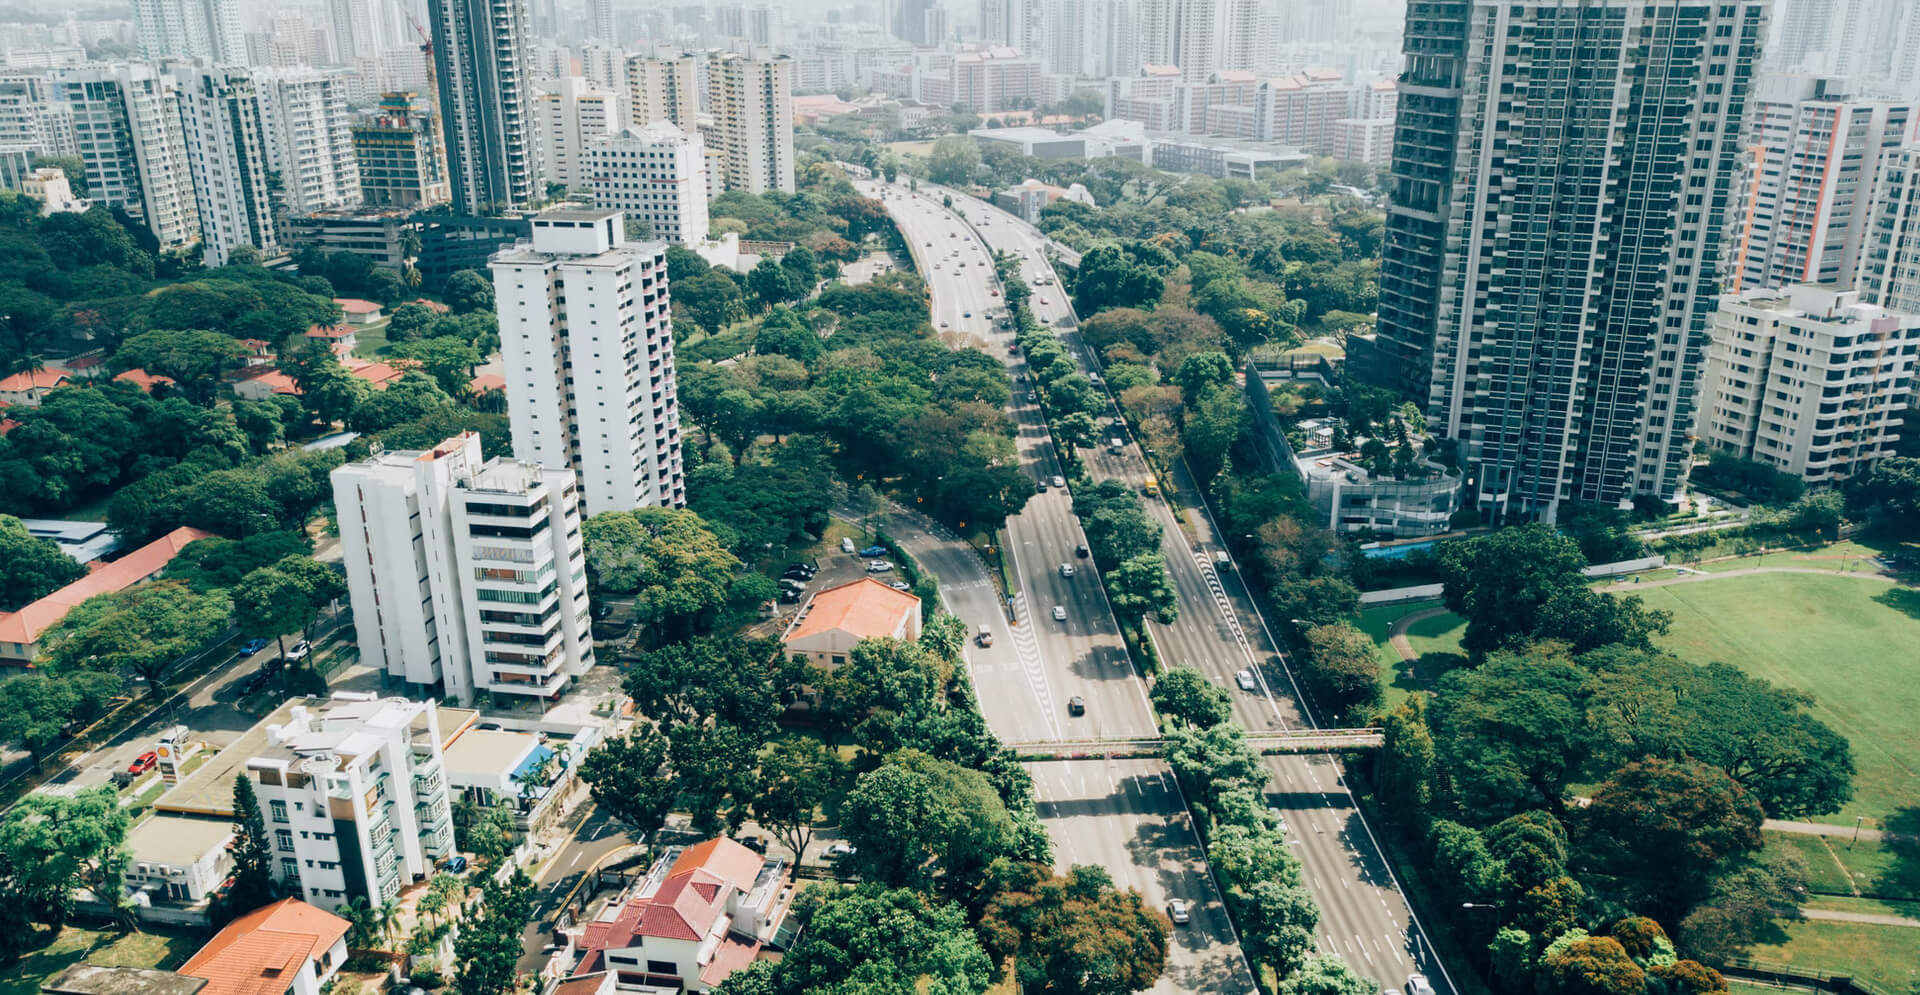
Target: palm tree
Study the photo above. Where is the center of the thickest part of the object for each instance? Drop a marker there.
(362, 927)
(387, 919)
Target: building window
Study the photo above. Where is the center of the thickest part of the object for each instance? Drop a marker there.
(283, 839)
(279, 810)
(289, 868)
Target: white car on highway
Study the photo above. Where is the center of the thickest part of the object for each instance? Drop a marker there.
(1245, 679)
(1059, 613)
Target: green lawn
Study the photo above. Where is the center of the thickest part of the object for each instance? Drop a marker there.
(106, 948)
(1436, 640)
(1842, 867)
(1886, 956)
(1848, 643)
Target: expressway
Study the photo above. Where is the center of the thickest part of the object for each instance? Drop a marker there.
(1364, 915)
(1126, 816)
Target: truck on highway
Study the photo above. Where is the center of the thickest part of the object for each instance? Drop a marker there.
(1150, 488)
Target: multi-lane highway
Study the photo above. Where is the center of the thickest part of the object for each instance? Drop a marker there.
(1124, 816)
(1364, 915)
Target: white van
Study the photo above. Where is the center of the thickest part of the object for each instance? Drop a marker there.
(846, 545)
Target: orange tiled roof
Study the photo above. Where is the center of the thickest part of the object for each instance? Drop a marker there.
(685, 905)
(26, 625)
(866, 608)
(280, 382)
(43, 379)
(144, 380)
(356, 305)
(486, 382)
(261, 952)
(377, 374)
(329, 331)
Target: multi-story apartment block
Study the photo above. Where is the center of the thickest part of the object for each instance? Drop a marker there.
(399, 156)
(467, 575)
(481, 62)
(354, 798)
(1888, 273)
(1552, 254)
(586, 332)
(605, 66)
(656, 174)
(227, 154)
(190, 29)
(126, 125)
(570, 116)
(309, 131)
(1812, 159)
(1807, 380)
(31, 119)
(664, 87)
(1148, 97)
(362, 29)
(750, 96)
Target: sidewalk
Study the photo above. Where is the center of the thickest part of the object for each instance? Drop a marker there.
(1865, 918)
(1839, 832)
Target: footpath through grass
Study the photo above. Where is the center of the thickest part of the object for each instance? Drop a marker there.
(1435, 642)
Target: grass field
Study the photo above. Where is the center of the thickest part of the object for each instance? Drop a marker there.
(1436, 640)
(1865, 868)
(1887, 956)
(165, 951)
(1848, 643)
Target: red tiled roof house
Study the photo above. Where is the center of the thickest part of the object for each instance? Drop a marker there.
(20, 631)
(699, 915)
(840, 618)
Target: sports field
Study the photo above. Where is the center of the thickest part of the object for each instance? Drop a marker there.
(1853, 644)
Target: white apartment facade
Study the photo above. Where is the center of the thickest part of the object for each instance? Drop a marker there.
(663, 87)
(750, 97)
(354, 798)
(191, 29)
(1889, 269)
(656, 173)
(1813, 154)
(127, 131)
(587, 336)
(1807, 380)
(309, 128)
(466, 574)
(228, 158)
(570, 116)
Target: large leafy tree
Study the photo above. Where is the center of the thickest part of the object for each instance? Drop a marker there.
(36, 710)
(272, 603)
(629, 778)
(52, 845)
(1073, 934)
(1514, 730)
(797, 776)
(143, 630)
(1326, 974)
(1185, 695)
(31, 567)
(917, 820)
(468, 291)
(489, 943)
(1500, 582)
(1139, 587)
(1664, 830)
(1343, 667)
(1277, 920)
(669, 559)
(741, 682)
(196, 360)
(874, 939)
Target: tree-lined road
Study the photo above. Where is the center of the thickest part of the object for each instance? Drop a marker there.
(1363, 914)
(1133, 825)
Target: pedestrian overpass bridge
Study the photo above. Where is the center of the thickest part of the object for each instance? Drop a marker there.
(1291, 741)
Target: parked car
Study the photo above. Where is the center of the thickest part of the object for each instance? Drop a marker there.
(254, 645)
(1066, 569)
(298, 651)
(602, 610)
(1040, 486)
(789, 597)
(144, 762)
(901, 585)
(1245, 679)
(754, 843)
(846, 545)
(879, 567)
(1059, 481)
(456, 864)
(1417, 984)
(841, 850)
(873, 551)
(1178, 912)
(1059, 613)
(1076, 705)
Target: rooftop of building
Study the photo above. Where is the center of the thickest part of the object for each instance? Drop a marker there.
(209, 790)
(488, 752)
(1026, 134)
(866, 608)
(93, 979)
(177, 840)
(1824, 303)
(45, 378)
(577, 214)
(681, 897)
(262, 952)
(26, 625)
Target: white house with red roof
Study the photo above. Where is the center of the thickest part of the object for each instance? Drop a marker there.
(358, 311)
(840, 618)
(287, 948)
(701, 913)
(26, 388)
